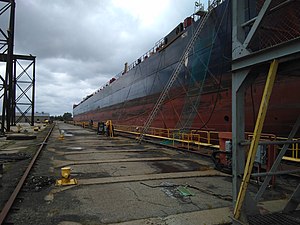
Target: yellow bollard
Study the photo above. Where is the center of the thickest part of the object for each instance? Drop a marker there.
(66, 177)
(61, 137)
(109, 127)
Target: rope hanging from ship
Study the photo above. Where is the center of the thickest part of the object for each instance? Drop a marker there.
(219, 82)
(193, 82)
(186, 91)
(129, 116)
(220, 79)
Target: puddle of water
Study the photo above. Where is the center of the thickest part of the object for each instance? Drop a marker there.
(74, 148)
(179, 166)
(66, 134)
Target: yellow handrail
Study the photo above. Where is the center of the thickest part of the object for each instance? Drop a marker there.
(197, 138)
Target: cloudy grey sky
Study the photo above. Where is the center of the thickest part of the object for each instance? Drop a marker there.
(81, 44)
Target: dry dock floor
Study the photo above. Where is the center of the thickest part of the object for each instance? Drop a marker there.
(123, 182)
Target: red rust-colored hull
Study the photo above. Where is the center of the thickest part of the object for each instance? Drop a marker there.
(212, 114)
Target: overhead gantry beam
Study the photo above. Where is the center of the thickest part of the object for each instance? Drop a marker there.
(283, 52)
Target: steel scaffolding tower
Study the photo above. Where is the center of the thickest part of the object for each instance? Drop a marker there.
(17, 87)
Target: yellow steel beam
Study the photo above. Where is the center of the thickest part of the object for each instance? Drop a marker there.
(256, 136)
(291, 159)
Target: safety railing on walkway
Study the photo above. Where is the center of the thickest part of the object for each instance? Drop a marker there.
(293, 151)
(195, 139)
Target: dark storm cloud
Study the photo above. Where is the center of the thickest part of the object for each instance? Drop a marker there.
(81, 44)
(73, 30)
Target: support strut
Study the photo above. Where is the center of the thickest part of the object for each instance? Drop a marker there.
(256, 136)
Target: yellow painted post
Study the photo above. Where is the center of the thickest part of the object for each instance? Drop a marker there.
(111, 133)
(208, 137)
(109, 128)
(293, 150)
(256, 136)
(173, 140)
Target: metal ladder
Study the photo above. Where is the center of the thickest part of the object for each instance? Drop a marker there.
(175, 73)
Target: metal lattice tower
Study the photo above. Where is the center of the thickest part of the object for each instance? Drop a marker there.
(24, 87)
(17, 83)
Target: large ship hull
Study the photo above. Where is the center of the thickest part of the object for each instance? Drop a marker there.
(201, 96)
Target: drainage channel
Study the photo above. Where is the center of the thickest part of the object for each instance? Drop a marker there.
(16, 191)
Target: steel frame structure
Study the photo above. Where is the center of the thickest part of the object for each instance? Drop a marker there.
(13, 85)
(23, 88)
(8, 48)
(244, 61)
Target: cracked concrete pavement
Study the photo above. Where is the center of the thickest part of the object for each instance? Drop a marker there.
(123, 182)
